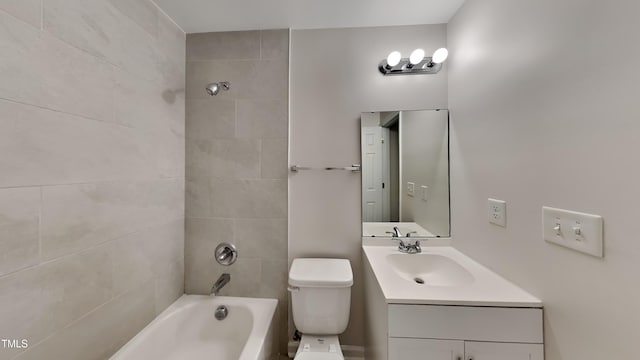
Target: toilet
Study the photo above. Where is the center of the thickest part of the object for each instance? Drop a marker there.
(320, 301)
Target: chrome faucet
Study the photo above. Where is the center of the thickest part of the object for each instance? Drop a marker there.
(408, 248)
(220, 283)
(396, 232)
(405, 247)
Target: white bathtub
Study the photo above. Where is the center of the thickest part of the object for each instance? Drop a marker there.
(188, 330)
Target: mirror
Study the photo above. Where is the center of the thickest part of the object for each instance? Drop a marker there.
(405, 173)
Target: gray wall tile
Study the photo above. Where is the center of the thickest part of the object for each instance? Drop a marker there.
(237, 164)
(262, 119)
(211, 118)
(223, 45)
(274, 44)
(147, 255)
(145, 104)
(242, 198)
(201, 238)
(262, 238)
(41, 70)
(197, 194)
(274, 151)
(143, 13)
(92, 164)
(42, 300)
(100, 29)
(19, 228)
(42, 147)
(250, 79)
(25, 10)
(235, 158)
(99, 334)
(76, 217)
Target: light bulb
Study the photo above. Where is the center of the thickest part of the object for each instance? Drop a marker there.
(440, 55)
(416, 56)
(394, 58)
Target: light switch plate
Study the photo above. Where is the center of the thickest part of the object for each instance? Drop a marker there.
(574, 230)
(423, 192)
(497, 212)
(411, 189)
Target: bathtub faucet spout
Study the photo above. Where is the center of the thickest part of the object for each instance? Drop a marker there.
(220, 283)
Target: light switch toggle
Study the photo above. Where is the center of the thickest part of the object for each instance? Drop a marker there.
(557, 229)
(577, 231)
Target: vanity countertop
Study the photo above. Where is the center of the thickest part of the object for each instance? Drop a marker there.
(449, 276)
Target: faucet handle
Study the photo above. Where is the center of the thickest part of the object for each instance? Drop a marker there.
(411, 232)
(226, 254)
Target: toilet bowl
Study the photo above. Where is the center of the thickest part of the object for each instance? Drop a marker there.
(320, 300)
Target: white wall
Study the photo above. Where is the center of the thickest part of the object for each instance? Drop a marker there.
(424, 139)
(333, 78)
(544, 107)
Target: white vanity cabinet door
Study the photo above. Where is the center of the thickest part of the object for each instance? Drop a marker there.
(502, 351)
(425, 349)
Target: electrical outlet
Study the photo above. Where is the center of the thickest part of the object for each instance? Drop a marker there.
(411, 189)
(423, 192)
(497, 212)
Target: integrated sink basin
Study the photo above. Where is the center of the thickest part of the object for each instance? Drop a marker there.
(430, 269)
(439, 275)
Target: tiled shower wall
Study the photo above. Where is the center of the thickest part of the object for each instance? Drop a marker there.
(91, 173)
(236, 185)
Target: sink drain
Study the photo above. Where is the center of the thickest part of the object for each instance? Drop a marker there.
(419, 281)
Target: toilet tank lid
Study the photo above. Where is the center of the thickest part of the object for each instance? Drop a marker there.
(320, 273)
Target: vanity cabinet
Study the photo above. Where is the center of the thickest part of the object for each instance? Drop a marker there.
(490, 319)
(435, 332)
(427, 349)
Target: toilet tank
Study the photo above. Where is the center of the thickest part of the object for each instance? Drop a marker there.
(320, 295)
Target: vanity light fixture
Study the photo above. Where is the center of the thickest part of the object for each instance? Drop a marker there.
(393, 59)
(416, 63)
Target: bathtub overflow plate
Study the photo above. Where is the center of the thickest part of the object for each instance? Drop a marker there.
(221, 312)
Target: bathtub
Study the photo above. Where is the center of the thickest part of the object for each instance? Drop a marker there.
(188, 330)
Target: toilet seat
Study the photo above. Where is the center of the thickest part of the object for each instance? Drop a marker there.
(322, 347)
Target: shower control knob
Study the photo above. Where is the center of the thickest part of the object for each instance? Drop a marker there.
(226, 254)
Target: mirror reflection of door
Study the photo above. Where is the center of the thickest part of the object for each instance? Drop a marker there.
(380, 193)
(405, 173)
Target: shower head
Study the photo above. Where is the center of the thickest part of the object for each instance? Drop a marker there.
(214, 88)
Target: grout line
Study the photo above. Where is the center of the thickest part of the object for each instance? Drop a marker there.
(19, 19)
(97, 182)
(235, 118)
(143, 228)
(231, 218)
(260, 32)
(67, 113)
(41, 205)
(75, 321)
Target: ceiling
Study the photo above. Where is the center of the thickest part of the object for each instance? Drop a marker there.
(227, 15)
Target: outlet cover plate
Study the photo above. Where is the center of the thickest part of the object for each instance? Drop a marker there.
(411, 189)
(574, 230)
(423, 191)
(497, 212)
